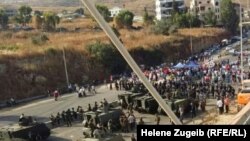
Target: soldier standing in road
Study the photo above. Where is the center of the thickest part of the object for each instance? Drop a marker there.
(157, 119)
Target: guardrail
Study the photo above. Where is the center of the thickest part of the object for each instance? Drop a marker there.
(243, 117)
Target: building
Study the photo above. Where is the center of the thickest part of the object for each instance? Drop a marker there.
(237, 8)
(164, 8)
(201, 7)
(114, 11)
(10, 10)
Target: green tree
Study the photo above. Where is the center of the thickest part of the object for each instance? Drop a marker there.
(108, 56)
(50, 20)
(104, 11)
(4, 19)
(210, 18)
(229, 18)
(162, 27)
(80, 11)
(24, 15)
(147, 19)
(175, 8)
(124, 19)
(181, 20)
(38, 21)
(193, 20)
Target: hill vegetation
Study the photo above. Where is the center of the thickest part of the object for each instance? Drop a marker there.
(28, 68)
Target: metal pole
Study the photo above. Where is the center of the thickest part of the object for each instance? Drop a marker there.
(65, 68)
(241, 45)
(191, 40)
(129, 59)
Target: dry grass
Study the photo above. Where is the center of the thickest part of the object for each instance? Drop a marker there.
(131, 38)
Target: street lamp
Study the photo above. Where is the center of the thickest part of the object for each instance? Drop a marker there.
(65, 67)
(241, 43)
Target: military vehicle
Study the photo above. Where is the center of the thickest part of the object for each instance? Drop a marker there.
(113, 113)
(128, 98)
(174, 104)
(17, 132)
(104, 136)
(145, 104)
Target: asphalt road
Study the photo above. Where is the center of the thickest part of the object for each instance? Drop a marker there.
(42, 109)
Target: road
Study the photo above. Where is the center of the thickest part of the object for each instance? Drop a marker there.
(42, 109)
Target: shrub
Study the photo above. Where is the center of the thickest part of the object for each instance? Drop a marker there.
(51, 51)
(9, 47)
(40, 39)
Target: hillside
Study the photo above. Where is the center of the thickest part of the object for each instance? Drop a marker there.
(136, 6)
(29, 67)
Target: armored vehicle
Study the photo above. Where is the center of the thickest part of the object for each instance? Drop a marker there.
(146, 104)
(16, 132)
(174, 104)
(102, 117)
(128, 98)
(104, 136)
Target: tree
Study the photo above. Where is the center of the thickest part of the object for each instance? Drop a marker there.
(210, 18)
(162, 27)
(37, 19)
(175, 8)
(229, 18)
(147, 19)
(24, 15)
(193, 20)
(80, 11)
(108, 56)
(50, 20)
(104, 11)
(124, 19)
(4, 19)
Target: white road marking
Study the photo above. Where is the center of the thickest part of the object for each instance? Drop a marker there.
(40, 102)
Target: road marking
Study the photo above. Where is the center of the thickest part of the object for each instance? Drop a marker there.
(40, 102)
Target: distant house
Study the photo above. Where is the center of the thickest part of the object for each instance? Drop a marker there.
(115, 11)
(10, 10)
(165, 7)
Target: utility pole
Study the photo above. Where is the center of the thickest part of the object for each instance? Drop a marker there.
(124, 52)
(190, 27)
(65, 68)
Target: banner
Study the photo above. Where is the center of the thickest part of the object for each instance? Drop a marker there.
(191, 132)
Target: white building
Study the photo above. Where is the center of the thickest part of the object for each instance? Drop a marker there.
(114, 11)
(201, 7)
(165, 7)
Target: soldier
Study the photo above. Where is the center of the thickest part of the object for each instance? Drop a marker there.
(63, 115)
(89, 108)
(58, 118)
(141, 122)
(133, 137)
(110, 126)
(157, 119)
(74, 113)
(68, 119)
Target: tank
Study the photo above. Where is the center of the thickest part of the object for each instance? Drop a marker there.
(146, 104)
(16, 132)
